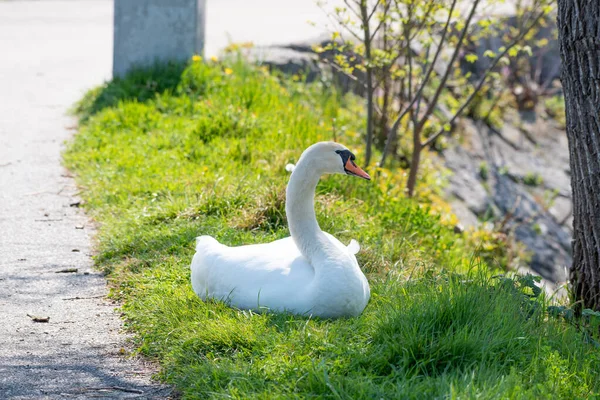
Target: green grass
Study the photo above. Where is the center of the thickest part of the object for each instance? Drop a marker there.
(533, 179)
(173, 153)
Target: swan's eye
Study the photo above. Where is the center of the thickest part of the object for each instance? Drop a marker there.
(346, 156)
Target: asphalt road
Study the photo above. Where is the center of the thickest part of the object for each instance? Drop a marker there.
(50, 53)
(263, 22)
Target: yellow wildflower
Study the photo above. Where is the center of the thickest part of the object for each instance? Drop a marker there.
(228, 71)
(196, 58)
(214, 59)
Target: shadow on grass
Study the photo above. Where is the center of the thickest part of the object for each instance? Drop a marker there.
(426, 347)
(140, 84)
(147, 245)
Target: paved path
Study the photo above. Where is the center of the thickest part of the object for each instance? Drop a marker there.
(263, 22)
(50, 52)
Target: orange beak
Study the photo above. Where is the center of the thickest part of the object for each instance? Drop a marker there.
(356, 170)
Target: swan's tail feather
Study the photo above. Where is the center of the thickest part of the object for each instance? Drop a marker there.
(353, 247)
(204, 241)
(206, 247)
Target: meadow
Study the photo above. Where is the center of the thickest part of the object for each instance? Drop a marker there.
(178, 151)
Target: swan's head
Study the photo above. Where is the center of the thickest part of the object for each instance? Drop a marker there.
(333, 158)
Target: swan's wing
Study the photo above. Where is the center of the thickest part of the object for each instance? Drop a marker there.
(353, 247)
(272, 274)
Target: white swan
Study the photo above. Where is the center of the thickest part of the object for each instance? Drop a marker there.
(309, 273)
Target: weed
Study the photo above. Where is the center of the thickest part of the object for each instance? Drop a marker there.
(484, 171)
(533, 179)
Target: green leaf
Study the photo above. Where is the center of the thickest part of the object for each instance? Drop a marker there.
(529, 281)
(542, 42)
(471, 58)
(589, 312)
(569, 314)
(484, 23)
(489, 53)
(556, 311)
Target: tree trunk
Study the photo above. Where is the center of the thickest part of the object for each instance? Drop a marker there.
(579, 35)
(364, 13)
(415, 161)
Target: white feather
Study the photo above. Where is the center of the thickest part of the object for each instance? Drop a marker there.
(354, 247)
(310, 273)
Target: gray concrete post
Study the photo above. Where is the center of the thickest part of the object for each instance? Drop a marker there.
(146, 31)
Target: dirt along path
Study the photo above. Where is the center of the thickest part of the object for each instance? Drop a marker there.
(50, 53)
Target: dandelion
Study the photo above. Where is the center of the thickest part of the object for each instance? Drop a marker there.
(228, 71)
(214, 59)
(196, 58)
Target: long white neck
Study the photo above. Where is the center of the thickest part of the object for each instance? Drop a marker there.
(300, 210)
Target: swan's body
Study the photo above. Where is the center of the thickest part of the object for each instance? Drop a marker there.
(309, 273)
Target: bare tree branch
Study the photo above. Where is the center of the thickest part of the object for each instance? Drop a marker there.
(369, 72)
(350, 31)
(442, 84)
(424, 19)
(339, 23)
(418, 106)
(489, 70)
(341, 70)
(373, 11)
(409, 51)
(356, 13)
(394, 131)
(387, 6)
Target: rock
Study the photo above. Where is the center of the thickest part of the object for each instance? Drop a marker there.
(286, 60)
(464, 183)
(509, 158)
